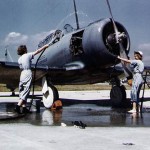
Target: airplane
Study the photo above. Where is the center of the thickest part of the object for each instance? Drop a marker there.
(85, 55)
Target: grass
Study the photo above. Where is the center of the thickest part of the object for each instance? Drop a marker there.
(3, 88)
(103, 86)
(87, 87)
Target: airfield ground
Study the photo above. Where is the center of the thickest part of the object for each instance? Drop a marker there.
(107, 128)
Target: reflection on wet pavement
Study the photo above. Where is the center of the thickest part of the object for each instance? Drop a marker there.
(90, 114)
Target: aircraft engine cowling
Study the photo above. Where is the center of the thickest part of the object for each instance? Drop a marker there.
(100, 44)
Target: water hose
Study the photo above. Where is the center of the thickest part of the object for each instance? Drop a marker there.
(34, 75)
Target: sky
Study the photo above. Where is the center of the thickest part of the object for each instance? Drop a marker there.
(29, 21)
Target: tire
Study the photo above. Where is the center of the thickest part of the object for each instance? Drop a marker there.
(50, 96)
(117, 96)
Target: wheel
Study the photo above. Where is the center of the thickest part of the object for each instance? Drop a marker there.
(118, 96)
(50, 94)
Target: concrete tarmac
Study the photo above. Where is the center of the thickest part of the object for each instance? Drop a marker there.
(107, 128)
(29, 137)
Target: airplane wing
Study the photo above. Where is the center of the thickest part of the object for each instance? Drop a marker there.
(10, 72)
(9, 64)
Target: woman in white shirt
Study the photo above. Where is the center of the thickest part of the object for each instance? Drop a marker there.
(137, 67)
(25, 61)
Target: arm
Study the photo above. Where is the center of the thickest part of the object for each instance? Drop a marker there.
(125, 60)
(40, 49)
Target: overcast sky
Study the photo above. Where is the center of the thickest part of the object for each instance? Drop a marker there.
(29, 21)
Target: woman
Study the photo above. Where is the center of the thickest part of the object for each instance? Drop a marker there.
(138, 67)
(26, 76)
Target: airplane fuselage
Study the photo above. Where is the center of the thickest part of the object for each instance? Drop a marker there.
(86, 50)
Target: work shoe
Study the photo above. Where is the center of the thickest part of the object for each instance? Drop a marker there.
(132, 111)
(25, 110)
(17, 109)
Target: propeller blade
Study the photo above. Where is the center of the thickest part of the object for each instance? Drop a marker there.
(126, 66)
(113, 21)
(123, 54)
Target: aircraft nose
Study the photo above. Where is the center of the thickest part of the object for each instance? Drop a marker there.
(112, 39)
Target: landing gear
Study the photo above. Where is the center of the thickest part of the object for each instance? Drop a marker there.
(50, 93)
(118, 96)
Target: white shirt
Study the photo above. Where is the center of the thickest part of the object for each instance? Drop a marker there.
(25, 61)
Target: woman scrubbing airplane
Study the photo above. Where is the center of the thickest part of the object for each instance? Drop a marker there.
(138, 67)
(26, 76)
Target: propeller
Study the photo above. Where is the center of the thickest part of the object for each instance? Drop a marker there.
(118, 37)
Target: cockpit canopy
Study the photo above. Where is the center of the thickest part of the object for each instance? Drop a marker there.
(56, 35)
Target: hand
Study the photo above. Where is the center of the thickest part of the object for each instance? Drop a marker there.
(118, 57)
(46, 46)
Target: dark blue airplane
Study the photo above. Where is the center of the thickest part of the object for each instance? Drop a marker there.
(78, 56)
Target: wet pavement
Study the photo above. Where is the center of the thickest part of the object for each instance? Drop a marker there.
(91, 107)
(91, 114)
